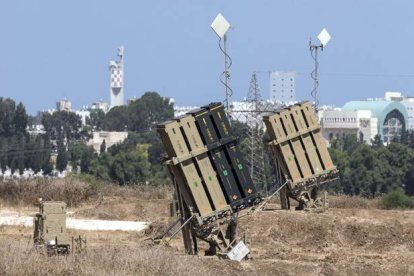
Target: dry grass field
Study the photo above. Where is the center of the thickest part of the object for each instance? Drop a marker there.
(356, 238)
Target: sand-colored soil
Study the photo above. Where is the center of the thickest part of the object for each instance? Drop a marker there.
(338, 242)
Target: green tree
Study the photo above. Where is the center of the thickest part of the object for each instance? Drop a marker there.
(116, 119)
(409, 180)
(62, 158)
(80, 155)
(86, 159)
(361, 177)
(46, 162)
(131, 167)
(75, 151)
(404, 138)
(374, 170)
(149, 110)
(100, 166)
(20, 119)
(18, 153)
(64, 123)
(156, 155)
(341, 161)
(377, 141)
(96, 119)
(7, 113)
(34, 153)
(350, 143)
(396, 160)
(19, 150)
(102, 148)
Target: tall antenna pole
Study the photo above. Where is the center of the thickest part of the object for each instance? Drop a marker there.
(227, 76)
(220, 26)
(323, 38)
(314, 53)
(316, 81)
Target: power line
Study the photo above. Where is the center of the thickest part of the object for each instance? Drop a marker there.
(363, 75)
(370, 75)
(12, 153)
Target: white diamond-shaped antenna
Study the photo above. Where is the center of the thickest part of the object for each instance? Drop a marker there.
(324, 37)
(220, 25)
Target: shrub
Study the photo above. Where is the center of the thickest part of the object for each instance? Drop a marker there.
(397, 199)
(70, 190)
(75, 190)
(107, 259)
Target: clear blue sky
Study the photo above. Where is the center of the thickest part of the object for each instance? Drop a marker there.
(55, 49)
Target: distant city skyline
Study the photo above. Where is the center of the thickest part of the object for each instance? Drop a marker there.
(56, 50)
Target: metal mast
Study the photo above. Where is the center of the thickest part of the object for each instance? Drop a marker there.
(220, 26)
(255, 134)
(323, 38)
(314, 75)
(227, 64)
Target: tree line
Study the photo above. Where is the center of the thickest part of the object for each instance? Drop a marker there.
(19, 150)
(372, 170)
(140, 115)
(367, 170)
(136, 160)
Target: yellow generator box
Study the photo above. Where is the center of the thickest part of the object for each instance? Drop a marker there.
(50, 224)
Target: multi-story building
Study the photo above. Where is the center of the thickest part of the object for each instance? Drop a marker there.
(337, 123)
(63, 105)
(100, 105)
(365, 119)
(110, 137)
(283, 87)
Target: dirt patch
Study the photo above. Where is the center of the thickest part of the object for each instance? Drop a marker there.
(339, 242)
(117, 208)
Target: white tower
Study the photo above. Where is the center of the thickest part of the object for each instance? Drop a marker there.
(116, 88)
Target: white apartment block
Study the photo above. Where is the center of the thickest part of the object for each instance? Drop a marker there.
(283, 87)
(339, 123)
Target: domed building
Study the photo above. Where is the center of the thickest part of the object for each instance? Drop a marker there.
(366, 119)
(391, 116)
